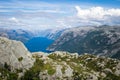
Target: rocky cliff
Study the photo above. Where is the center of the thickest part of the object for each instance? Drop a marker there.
(14, 53)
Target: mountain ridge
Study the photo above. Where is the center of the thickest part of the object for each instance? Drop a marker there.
(102, 41)
(16, 34)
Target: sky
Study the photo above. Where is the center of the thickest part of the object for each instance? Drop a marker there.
(45, 14)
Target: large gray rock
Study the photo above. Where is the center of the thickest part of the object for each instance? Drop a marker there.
(69, 72)
(58, 71)
(15, 54)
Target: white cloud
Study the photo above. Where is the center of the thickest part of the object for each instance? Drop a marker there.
(29, 16)
(14, 19)
(99, 14)
(96, 12)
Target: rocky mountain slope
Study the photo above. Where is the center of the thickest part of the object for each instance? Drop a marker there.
(16, 34)
(104, 41)
(67, 66)
(16, 63)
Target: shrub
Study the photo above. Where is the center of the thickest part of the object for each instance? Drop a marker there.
(20, 59)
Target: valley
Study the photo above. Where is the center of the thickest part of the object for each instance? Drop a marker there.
(102, 41)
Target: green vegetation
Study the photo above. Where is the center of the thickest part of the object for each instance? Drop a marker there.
(33, 73)
(20, 59)
(63, 69)
(6, 73)
(90, 63)
(7, 67)
(83, 67)
(39, 66)
(111, 76)
(76, 76)
(51, 71)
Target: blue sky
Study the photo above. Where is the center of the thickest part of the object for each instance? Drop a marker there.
(113, 3)
(44, 14)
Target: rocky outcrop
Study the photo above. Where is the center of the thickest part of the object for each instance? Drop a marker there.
(14, 54)
(66, 66)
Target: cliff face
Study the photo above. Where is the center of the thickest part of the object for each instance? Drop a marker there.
(14, 53)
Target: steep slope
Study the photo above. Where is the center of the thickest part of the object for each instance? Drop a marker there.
(17, 34)
(69, 39)
(104, 40)
(14, 53)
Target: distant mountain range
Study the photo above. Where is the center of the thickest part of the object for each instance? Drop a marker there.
(34, 41)
(52, 34)
(103, 41)
(16, 34)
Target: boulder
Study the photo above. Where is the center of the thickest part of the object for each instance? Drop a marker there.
(14, 54)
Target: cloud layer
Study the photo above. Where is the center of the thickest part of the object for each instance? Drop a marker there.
(99, 15)
(44, 15)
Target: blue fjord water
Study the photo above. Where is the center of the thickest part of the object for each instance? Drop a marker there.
(38, 44)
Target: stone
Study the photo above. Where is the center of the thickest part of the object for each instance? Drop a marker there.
(68, 72)
(10, 53)
(58, 71)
